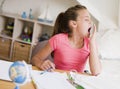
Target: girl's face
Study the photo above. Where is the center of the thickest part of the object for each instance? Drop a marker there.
(83, 22)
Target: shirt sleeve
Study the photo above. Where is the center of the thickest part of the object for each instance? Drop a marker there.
(53, 42)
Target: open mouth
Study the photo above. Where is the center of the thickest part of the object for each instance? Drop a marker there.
(89, 29)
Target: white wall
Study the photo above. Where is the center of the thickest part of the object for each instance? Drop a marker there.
(108, 9)
(38, 6)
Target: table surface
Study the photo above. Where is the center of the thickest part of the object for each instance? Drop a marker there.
(11, 85)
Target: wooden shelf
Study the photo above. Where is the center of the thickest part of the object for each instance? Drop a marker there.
(37, 28)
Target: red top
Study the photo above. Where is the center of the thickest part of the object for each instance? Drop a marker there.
(65, 56)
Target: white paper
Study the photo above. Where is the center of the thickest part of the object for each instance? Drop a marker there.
(51, 80)
(4, 67)
(96, 82)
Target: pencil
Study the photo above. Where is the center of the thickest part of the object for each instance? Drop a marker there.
(46, 71)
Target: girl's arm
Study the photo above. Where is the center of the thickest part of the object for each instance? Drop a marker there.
(94, 61)
(39, 59)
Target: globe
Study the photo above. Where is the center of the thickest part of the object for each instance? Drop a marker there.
(18, 73)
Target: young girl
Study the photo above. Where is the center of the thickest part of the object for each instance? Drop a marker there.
(71, 43)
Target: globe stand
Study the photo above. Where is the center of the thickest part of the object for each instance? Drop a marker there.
(17, 87)
(19, 73)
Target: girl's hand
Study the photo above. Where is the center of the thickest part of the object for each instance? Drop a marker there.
(93, 34)
(47, 64)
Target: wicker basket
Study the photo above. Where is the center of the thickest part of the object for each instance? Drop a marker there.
(21, 51)
(5, 45)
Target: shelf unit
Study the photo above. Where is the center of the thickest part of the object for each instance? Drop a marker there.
(13, 43)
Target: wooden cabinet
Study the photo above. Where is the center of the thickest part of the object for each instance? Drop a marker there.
(17, 45)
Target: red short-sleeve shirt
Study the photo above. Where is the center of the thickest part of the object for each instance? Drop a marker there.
(65, 56)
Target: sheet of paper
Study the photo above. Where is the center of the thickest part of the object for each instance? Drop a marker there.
(51, 80)
(96, 82)
(4, 67)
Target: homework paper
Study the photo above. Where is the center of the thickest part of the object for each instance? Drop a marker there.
(96, 82)
(51, 80)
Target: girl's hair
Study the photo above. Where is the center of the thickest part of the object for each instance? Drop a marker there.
(61, 23)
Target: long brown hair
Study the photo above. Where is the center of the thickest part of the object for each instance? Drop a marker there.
(61, 23)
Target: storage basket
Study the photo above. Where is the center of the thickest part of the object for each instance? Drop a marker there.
(21, 51)
(5, 46)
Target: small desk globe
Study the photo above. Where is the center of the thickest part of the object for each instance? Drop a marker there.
(18, 73)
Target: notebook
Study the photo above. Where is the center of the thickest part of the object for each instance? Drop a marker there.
(51, 80)
(56, 80)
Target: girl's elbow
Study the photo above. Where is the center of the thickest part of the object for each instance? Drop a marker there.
(96, 73)
(33, 61)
